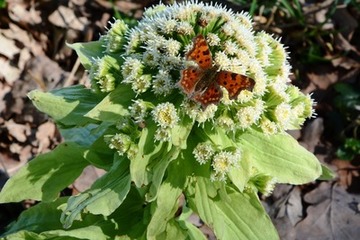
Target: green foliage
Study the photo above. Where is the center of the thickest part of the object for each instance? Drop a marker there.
(349, 150)
(150, 150)
(347, 103)
(46, 175)
(348, 100)
(2, 3)
(279, 152)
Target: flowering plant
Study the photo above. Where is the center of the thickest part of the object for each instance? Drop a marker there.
(189, 102)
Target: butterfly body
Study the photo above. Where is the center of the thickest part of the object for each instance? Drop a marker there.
(202, 82)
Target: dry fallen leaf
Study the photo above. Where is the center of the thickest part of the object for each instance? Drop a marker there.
(323, 76)
(333, 214)
(65, 17)
(45, 132)
(312, 133)
(20, 132)
(89, 175)
(8, 47)
(281, 210)
(9, 72)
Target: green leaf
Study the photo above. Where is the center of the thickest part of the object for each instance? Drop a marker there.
(217, 135)
(180, 133)
(46, 175)
(24, 235)
(239, 176)
(85, 135)
(240, 217)
(91, 232)
(158, 168)
(39, 218)
(349, 150)
(114, 105)
(42, 222)
(327, 173)
(347, 90)
(67, 106)
(174, 231)
(192, 231)
(88, 51)
(148, 150)
(280, 156)
(2, 4)
(132, 216)
(91, 136)
(104, 196)
(166, 206)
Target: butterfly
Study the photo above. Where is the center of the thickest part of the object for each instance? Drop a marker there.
(202, 82)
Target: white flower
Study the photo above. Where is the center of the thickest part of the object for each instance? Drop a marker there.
(165, 115)
(156, 53)
(207, 114)
(283, 114)
(162, 84)
(138, 110)
(268, 127)
(222, 60)
(168, 26)
(245, 96)
(245, 38)
(162, 135)
(151, 57)
(212, 39)
(248, 116)
(224, 160)
(184, 28)
(141, 84)
(190, 108)
(227, 29)
(203, 152)
(120, 142)
(244, 18)
(230, 47)
(133, 41)
(172, 47)
(132, 68)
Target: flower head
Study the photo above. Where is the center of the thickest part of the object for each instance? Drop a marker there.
(203, 152)
(139, 110)
(262, 183)
(165, 115)
(222, 163)
(120, 142)
(115, 36)
(105, 74)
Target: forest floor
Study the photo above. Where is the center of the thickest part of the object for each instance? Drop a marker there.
(323, 38)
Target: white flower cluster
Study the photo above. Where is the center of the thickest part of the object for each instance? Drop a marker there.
(155, 54)
(221, 161)
(165, 116)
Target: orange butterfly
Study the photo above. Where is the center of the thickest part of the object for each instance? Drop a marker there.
(202, 83)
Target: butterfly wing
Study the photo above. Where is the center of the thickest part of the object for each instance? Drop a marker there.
(211, 94)
(189, 78)
(200, 53)
(234, 83)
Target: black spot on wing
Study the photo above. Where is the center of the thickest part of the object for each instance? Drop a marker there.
(233, 76)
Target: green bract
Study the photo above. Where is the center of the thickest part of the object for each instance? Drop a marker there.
(156, 144)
